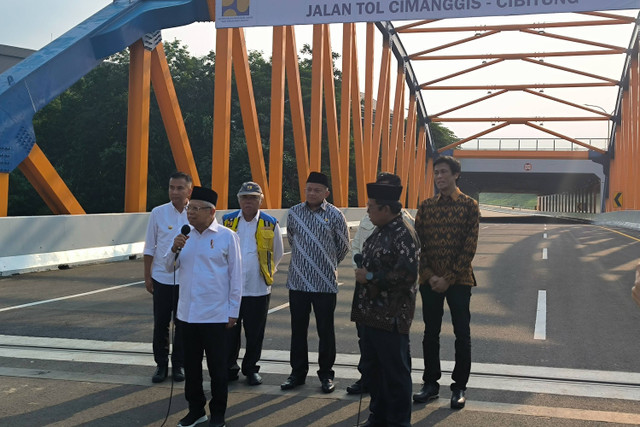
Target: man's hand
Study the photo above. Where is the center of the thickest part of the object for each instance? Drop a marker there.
(438, 284)
(179, 242)
(232, 322)
(361, 274)
(148, 283)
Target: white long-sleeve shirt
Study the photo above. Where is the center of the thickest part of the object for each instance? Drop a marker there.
(254, 284)
(210, 275)
(164, 224)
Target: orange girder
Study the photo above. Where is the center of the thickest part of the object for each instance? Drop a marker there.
(348, 35)
(358, 142)
(221, 117)
(332, 123)
(409, 168)
(276, 135)
(171, 114)
(394, 147)
(315, 136)
(382, 107)
(46, 181)
(297, 110)
(138, 129)
(368, 100)
(249, 114)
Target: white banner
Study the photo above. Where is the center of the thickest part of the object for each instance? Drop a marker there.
(253, 13)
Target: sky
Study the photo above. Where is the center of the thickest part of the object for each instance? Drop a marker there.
(34, 23)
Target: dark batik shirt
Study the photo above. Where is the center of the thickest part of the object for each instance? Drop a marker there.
(448, 231)
(319, 241)
(392, 254)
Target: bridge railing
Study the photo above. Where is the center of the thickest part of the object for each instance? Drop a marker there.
(532, 144)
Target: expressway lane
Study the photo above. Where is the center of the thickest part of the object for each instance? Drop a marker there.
(583, 368)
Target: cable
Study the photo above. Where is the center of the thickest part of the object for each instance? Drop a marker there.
(171, 340)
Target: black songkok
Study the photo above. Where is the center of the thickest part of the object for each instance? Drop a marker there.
(205, 194)
(384, 191)
(318, 178)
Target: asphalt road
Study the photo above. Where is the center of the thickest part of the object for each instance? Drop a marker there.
(554, 342)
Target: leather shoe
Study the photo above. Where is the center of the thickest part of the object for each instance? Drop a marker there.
(327, 385)
(457, 399)
(232, 376)
(357, 388)
(160, 374)
(178, 373)
(291, 383)
(254, 379)
(370, 423)
(427, 392)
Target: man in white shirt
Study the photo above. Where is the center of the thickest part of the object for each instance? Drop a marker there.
(165, 220)
(261, 244)
(210, 279)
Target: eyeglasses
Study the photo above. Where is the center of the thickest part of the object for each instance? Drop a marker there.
(196, 209)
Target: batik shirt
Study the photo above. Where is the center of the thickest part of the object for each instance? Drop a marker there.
(388, 301)
(319, 241)
(448, 231)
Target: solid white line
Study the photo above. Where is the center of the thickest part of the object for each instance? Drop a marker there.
(545, 253)
(541, 317)
(69, 296)
(544, 236)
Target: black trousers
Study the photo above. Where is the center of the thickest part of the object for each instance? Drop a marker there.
(253, 317)
(210, 339)
(386, 365)
(458, 298)
(324, 305)
(165, 306)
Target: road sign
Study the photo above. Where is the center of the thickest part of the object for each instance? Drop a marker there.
(528, 166)
(617, 200)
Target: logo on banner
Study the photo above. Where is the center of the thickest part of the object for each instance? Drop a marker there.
(232, 8)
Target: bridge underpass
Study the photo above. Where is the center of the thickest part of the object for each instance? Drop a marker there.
(569, 185)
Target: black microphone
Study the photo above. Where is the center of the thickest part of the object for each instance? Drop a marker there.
(357, 258)
(184, 230)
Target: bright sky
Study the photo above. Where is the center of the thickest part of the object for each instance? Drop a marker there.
(34, 23)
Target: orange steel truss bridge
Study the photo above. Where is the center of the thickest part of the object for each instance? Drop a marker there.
(384, 120)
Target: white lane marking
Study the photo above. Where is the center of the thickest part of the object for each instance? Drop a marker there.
(286, 304)
(278, 308)
(540, 332)
(544, 236)
(545, 253)
(31, 304)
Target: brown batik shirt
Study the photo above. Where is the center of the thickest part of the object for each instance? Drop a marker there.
(388, 301)
(448, 231)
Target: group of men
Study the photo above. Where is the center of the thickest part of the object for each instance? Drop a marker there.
(225, 274)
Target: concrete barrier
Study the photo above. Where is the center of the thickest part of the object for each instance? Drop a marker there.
(38, 243)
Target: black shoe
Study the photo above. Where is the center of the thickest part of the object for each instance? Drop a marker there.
(327, 385)
(193, 418)
(370, 423)
(254, 379)
(427, 392)
(160, 374)
(457, 399)
(357, 388)
(178, 373)
(292, 382)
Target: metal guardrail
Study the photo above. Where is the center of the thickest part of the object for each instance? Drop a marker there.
(533, 144)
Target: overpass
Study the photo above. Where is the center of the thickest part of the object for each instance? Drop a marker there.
(399, 140)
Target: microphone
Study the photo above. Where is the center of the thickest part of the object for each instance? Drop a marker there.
(357, 258)
(184, 230)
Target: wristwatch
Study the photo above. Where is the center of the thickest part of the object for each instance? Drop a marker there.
(369, 276)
